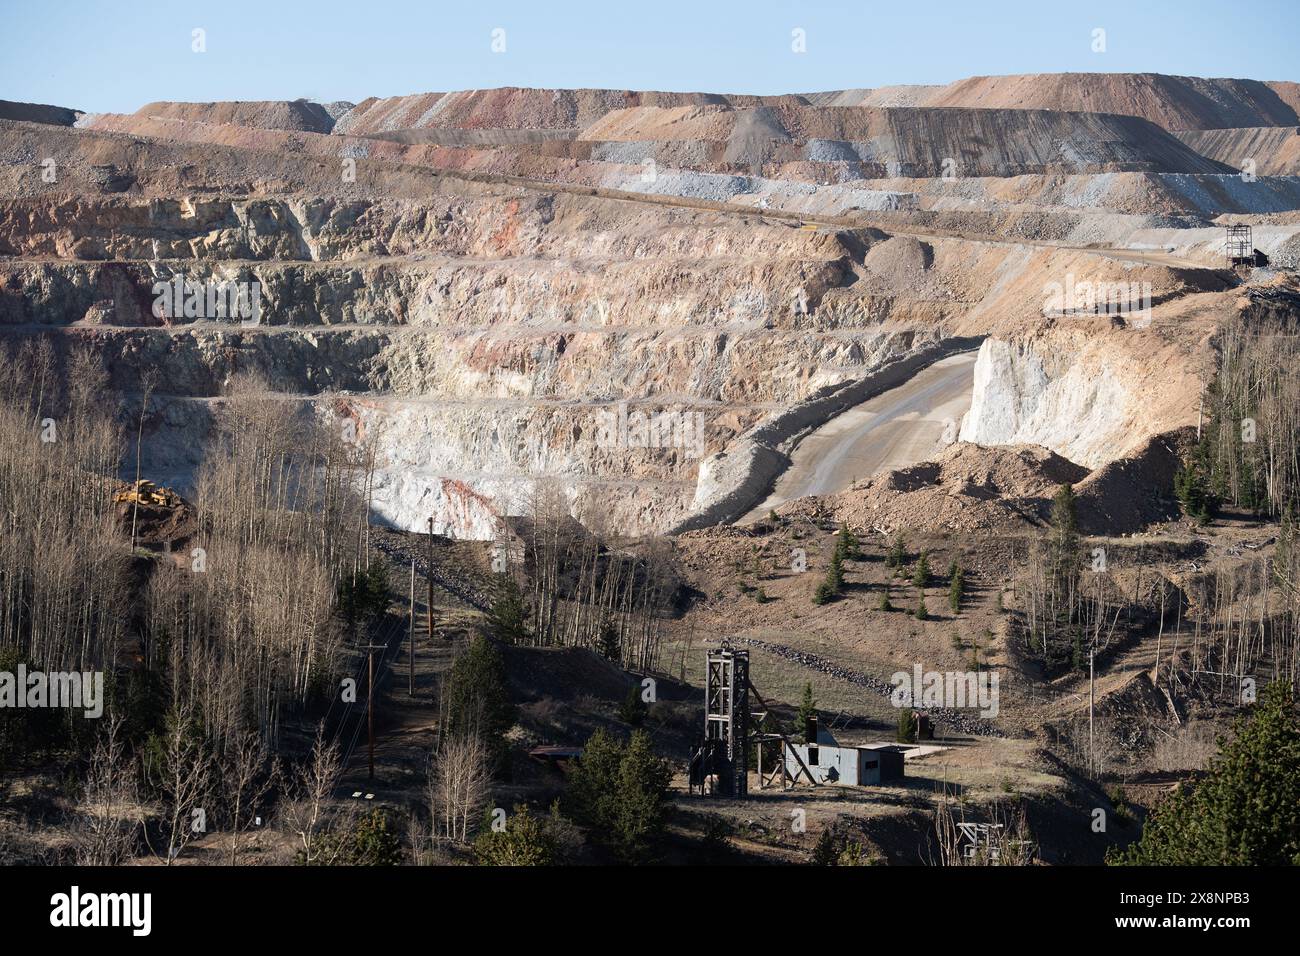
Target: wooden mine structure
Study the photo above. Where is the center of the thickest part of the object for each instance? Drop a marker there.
(720, 765)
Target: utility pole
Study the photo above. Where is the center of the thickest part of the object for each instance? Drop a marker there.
(428, 574)
(410, 634)
(370, 701)
(1092, 696)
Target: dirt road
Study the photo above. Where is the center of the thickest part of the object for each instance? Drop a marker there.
(894, 429)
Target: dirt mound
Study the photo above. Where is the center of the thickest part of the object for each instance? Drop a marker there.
(1174, 102)
(156, 525)
(565, 694)
(296, 115)
(1132, 492)
(1275, 150)
(972, 487)
(38, 113)
(902, 260)
(967, 488)
(1288, 93)
(539, 673)
(518, 108)
(902, 95)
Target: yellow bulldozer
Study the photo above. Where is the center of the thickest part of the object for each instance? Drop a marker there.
(145, 492)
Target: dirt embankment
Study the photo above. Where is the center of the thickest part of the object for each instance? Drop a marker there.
(295, 115)
(517, 108)
(1269, 150)
(1174, 102)
(733, 481)
(912, 141)
(969, 488)
(38, 113)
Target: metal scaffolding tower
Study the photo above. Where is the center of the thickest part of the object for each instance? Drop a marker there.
(720, 765)
(726, 720)
(1239, 246)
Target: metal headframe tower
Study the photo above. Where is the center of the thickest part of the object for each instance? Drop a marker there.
(1239, 246)
(726, 719)
(722, 760)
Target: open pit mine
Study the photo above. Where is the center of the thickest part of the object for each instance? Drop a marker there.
(684, 419)
(482, 283)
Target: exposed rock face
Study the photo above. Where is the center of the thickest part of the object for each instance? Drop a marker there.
(1088, 395)
(733, 481)
(515, 108)
(485, 341)
(902, 141)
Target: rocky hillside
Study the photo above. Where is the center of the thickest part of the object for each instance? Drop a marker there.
(499, 291)
(898, 141)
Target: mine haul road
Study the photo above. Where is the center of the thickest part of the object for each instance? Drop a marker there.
(895, 429)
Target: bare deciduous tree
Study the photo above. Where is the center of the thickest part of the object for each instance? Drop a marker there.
(248, 775)
(107, 818)
(304, 813)
(181, 771)
(458, 783)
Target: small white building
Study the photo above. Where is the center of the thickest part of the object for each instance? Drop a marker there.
(831, 763)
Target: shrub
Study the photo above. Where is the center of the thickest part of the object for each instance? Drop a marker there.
(525, 840)
(824, 594)
(368, 840)
(633, 709)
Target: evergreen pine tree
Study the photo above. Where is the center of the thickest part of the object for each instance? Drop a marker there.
(907, 724)
(608, 643)
(1246, 811)
(897, 556)
(827, 851)
(1065, 521)
(474, 696)
(507, 619)
(921, 575)
(527, 840)
(807, 709)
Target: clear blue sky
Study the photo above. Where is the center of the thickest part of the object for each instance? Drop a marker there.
(102, 56)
